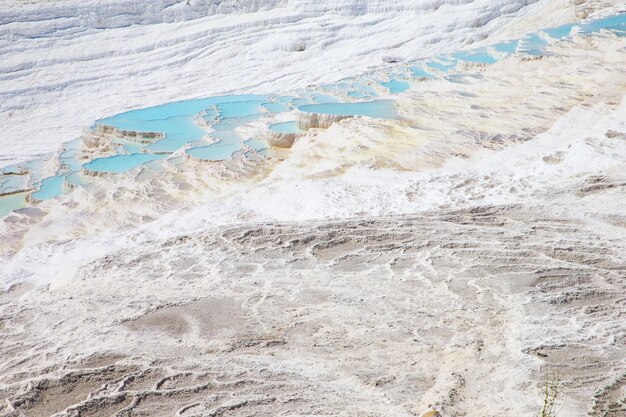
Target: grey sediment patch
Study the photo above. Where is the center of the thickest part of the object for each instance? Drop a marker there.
(14, 291)
(207, 317)
(411, 310)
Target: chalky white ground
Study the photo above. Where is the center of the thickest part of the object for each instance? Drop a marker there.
(67, 63)
(376, 268)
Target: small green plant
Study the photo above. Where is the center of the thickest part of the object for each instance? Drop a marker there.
(550, 394)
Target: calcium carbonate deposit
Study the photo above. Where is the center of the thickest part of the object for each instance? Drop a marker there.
(313, 208)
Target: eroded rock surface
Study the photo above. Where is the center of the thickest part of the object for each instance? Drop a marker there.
(465, 310)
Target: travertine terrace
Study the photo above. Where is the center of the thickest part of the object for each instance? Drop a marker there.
(447, 262)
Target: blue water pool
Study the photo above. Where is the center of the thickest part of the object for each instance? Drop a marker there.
(276, 107)
(507, 47)
(479, 57)
(357, 90)
(12, 202)
(77, 179)
(381, 109)
(559, 32)
(131, 148)
(225, 137)
(257, 145)
(358, 94)
(240, 109)
(215, 152)
(69, 162)
(176, 120)
(120, 163)
(177, 160)
(285, 127)
(396, 86)
(421, 72)
(142, 117)
(610, 22)
(442, 64)
(232, 123)
(50, 187)
(182, 123)
(533, 44)
(12, 183)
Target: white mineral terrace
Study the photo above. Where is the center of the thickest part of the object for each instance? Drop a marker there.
(447, 260)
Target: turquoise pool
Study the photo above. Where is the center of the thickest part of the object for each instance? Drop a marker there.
(49, 188)
(380, 109)
(285, 127)
(479, 57)
(396, 86)
(215, 152)
(120, 163)
(190, 122)
(11, 203)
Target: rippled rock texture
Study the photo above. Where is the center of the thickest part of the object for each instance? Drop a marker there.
(463, 310)
(449, 262)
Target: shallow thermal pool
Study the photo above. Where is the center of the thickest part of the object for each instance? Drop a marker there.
(478, 57)
(196, 123)
(380, 109)
(215, 152)
(120, 163)
(396, 86)
(49, 188)
(9, 203)
(285, 127)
